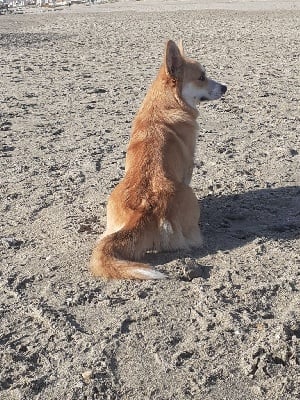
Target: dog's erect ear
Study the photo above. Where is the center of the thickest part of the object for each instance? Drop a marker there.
(173, 60)
(180, 47)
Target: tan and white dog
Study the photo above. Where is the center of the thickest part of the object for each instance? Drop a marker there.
(153, 207)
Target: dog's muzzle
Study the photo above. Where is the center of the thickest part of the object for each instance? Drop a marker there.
(215, 91)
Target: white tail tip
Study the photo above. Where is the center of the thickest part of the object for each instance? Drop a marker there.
(149, 273)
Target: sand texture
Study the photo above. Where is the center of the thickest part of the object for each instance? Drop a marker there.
(226, 322)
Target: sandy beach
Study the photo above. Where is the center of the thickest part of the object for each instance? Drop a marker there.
(225, 325)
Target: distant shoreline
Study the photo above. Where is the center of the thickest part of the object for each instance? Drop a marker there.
(166, 5)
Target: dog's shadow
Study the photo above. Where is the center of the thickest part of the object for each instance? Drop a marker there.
(230, 221)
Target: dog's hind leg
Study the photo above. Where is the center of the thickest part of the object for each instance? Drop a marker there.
(188, 214)
(179, 229)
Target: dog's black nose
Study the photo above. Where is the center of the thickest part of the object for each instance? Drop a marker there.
(223, 89)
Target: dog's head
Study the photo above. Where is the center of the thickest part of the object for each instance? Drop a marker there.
(194, 85)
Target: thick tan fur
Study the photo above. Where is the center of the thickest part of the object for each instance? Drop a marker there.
(153, 207)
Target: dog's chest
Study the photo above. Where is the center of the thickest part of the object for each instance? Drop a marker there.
(188, 144)
(188, 174)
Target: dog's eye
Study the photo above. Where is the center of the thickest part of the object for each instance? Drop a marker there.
(202, 78)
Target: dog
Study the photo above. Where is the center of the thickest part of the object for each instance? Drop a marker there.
(153, 207)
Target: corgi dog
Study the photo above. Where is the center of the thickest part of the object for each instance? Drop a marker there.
(153, 207)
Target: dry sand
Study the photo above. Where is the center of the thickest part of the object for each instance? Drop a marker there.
(226, 323)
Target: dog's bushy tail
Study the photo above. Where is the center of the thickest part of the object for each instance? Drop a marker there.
(112, 254)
